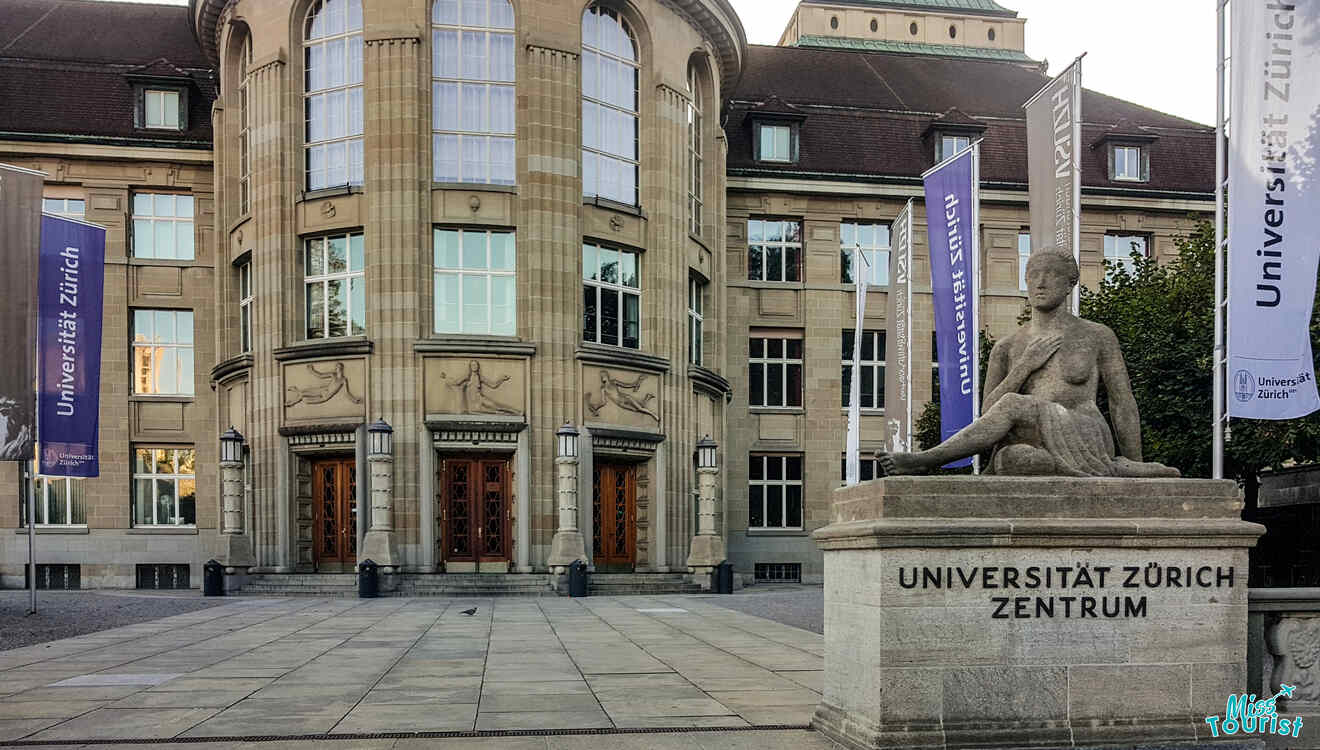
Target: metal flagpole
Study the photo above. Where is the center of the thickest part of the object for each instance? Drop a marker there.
(976, 291)
(1221, 302)
(26, 496)
(907, 397)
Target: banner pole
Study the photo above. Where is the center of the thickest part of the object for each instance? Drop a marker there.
(976, 292)
(1220, 360)
(907, 340)
(26, 495)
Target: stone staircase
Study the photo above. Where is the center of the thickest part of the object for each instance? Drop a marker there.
(467, 585)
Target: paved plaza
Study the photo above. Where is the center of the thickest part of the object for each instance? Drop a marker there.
(253, 669)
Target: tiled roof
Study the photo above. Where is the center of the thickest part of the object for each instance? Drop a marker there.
(978, 7)
(866, 115)
(911, 48)
(67, 69)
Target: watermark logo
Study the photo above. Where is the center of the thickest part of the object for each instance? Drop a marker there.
(1244, 386)
(1245, 715)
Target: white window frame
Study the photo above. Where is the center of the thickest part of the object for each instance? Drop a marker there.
(960, 144)
(167, 101)
(154, 477)
(41, 485)
(934, 365)
(696, 157)
(876, 364)
(868, 468)
(154, 211)
(484, 135)
(69, 208)
(786, 363)
(244, 131)
(619, 288)
(347, 89)
(875, 252)
(326, 277)
(148, 353)
(462, 272)
(245, 308)
(595, 157)
(696, 321)
(783, 483)
(1116, 257)
(757, 236)
(1024, 254)
(774, 142)
(1130, 158)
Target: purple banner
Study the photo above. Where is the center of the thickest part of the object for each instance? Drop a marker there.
(951, 223)
(70, 292)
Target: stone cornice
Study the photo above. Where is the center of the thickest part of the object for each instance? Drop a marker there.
(345, 347)
(471, 345)
(613, 356)
(229, 367)
(709, 381)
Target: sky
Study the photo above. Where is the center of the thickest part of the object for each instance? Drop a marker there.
(1157, 53)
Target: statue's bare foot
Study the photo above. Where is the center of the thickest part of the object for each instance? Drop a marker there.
(1149, 469)
(897, 464)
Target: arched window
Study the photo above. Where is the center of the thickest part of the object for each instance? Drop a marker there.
(609, 107)
(244, 130)
(472, 99)
(695, 160)
(332, 46)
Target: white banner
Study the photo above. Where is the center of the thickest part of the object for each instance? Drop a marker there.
(898, 339)
(1274, 208)
(1054, 152)
(852, 449)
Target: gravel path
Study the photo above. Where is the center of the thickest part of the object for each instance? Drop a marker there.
(64, 614)
(798, 605)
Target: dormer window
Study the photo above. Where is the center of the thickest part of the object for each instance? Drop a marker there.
(948, 144)
(1128, 163)
(775, 142)
(161, 109)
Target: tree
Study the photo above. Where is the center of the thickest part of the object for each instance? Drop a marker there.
(1163, 315)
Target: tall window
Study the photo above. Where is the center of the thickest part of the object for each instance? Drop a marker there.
(71, 208)
(872, 385)
(244, 131)
(611, 296)
(60, 501)
(163, 352)
(164, 487)
(774, 250)
(475, 283)
(696, 321)
(163, 226)
(1120, 247)
(774, 492)
(245, 308)
(1024, 254)
(874, 242)
(332, 47)
(335, 286)
(472, 91)
(947, 145)
(609, 106)
(695, 159)
(774, 371)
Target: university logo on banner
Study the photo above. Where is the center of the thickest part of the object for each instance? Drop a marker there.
(951, 218)
(20, 225)
(69, 345)
(898, 318)
(1054, 134)
(1274, 208)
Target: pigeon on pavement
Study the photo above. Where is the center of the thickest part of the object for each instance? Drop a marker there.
(470, 612)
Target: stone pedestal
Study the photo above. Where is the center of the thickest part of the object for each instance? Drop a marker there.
(1020, 611)
(236, 548)
(379, 545)
(568, 544)
(707, 548)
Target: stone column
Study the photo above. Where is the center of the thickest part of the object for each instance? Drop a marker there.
(236, 553)
(707, 544)
(380, 545)
(568, 543)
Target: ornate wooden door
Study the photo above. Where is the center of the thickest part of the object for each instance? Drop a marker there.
(475, 503)
(334, 499)
(614, 515)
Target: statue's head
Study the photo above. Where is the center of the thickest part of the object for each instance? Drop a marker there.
(474, 366)
(1051, 275)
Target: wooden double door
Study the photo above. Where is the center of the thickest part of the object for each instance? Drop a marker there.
(614, 516)
(334, 502)
(475, 510)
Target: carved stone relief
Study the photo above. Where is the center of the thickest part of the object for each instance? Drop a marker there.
(318, 391)
(1294, 644)
(627, 398)
(474, 385)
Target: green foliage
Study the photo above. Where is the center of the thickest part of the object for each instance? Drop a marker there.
(1163, 315)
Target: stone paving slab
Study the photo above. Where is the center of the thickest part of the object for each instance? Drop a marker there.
(755, 740)
(262, 667)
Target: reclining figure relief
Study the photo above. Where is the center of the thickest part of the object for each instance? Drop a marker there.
(1039, 414)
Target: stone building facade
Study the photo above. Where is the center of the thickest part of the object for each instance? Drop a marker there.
(478, 220)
